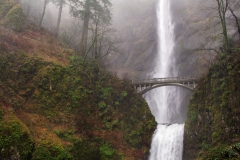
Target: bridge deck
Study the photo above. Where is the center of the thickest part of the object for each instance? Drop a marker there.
(164, 80)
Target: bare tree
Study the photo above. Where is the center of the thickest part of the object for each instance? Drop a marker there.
(231, 8)
(222, 10)
(71, 36)
(104, 40)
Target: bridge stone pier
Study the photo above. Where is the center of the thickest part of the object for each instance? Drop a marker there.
(143, 86)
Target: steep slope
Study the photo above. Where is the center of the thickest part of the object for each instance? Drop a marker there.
(54, 105)
(212, 130)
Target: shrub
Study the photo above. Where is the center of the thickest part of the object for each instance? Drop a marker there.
(102, 105)
(15, 140)
(15, 19)
(55, 152)
(86, 149)
(106, 151)
(5, 6)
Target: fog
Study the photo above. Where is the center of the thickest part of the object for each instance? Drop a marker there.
(50, 19)
(196, 26)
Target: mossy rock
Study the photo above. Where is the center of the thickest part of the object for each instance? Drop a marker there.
(15, 139)
(5, 6)
(15, 19)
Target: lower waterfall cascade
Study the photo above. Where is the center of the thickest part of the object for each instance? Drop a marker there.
(167, 142)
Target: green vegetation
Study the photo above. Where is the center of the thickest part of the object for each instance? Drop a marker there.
(224, 152)
(83, 100)
(5, 6)
(12, 15)
(15, 139)
(213, 123)
(15, 19)
(55, 105)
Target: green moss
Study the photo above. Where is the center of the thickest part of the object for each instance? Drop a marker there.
(106, 152)
(5, 6)
(213, 112)
(86, 149)
(102, 105)
(50, 153)
(15, 139)
(223, 152)
(15, 19)
(215, 136)
(81, 95)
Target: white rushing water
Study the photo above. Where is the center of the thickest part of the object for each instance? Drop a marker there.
(167, 141)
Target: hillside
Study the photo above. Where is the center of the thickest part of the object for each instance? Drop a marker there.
(56, 105)
(212, 130)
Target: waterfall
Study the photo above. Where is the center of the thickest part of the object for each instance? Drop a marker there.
(167, 141)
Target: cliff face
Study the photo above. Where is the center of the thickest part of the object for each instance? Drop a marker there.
(54, 105)
(212, 129)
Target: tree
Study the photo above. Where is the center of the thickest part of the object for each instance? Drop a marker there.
(103, 39)
(71, 36)
(222, 10)
(231, 8)
(28, 8)
(85, 10)
(43, 12)
(59, 16)
(220, 20)
(59, 3)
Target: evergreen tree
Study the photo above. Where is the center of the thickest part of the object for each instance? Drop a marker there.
(87, 11)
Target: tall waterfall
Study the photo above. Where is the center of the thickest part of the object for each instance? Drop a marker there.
(167, 141)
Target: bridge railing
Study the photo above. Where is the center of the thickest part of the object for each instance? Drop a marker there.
(164, 80)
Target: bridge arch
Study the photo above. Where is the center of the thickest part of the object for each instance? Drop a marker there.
(162, 85)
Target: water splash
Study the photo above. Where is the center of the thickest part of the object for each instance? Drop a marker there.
(167, 142)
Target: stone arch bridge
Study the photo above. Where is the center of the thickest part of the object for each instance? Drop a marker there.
(143, 86)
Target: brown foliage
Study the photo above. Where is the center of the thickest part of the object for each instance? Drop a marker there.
(12, 42)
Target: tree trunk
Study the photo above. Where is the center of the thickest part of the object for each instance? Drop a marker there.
(237, 21)
(83, 45)
(222, 9)
(28, 8)
(96, 38)
(59, 17)
(43, 13)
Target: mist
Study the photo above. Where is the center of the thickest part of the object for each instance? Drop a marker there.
(134, 33)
